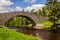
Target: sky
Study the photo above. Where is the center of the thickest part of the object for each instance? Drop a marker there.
(19, 5)
(24, 3)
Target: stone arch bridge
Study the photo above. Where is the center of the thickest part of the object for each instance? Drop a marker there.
(34, 18)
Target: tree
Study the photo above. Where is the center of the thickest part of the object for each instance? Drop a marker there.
(32, 11)
(52, 12)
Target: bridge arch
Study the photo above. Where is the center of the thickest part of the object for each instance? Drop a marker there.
(27, 17)
(34, 18)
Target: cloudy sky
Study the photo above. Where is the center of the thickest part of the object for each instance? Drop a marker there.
(19, 5)
(59, 0)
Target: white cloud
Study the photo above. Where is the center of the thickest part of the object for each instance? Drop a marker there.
(2, 10)
(58, 0)
(36, 7)
(30, 1)
(18, 8)
(5, 9)
(5, 3)
(4, 6)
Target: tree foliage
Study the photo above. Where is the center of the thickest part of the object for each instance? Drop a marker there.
(18, 22)
(52, 12)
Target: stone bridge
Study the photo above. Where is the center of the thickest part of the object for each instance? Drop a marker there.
(34, 18)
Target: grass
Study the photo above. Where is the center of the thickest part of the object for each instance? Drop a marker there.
(8, 34)
(46, 24)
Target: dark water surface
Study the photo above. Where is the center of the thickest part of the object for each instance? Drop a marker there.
(43, 34)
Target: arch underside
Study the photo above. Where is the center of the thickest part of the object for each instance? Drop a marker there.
(30, 19)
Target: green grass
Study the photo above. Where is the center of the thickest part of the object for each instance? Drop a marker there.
(8, 34)
(46, 24)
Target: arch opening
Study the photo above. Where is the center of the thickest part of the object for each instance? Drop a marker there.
(20, 21)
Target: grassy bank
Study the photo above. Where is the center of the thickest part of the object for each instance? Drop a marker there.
(46, 24)
(8, 34)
